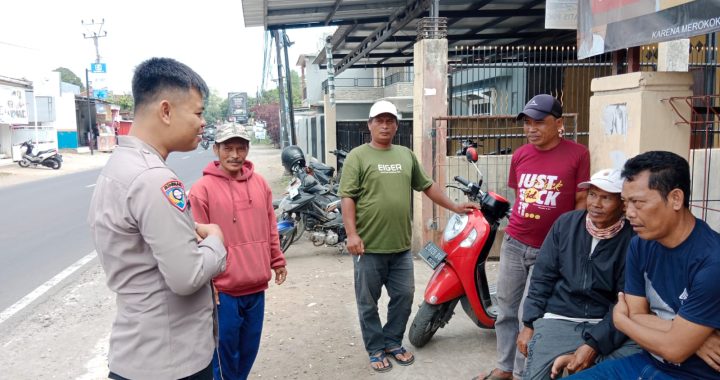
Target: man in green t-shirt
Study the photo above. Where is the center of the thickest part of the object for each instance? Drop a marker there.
(376, 189)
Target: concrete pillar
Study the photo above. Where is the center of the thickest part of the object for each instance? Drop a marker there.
(630, 114)
(330, 132)
(429, 101)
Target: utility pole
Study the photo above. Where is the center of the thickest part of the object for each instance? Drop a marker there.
(95, 36)
(288, 80)
(283, 111)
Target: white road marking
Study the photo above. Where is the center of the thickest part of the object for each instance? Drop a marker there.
(89, 186)
(185, 157)
(40, 290)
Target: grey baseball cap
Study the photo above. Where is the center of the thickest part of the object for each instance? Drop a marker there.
(540, 106)
(230, 130)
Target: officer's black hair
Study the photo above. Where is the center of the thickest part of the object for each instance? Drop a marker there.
(159, 74)
(668, 171)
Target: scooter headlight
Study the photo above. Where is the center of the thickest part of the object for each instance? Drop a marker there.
(454, 226)
(470, 239)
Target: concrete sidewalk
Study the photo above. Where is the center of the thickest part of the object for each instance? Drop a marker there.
(12, 174)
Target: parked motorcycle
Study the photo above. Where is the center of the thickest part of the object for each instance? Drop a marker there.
(50, 158)
(325, 174)
(208, 136)
(459, 264)
(309, 206)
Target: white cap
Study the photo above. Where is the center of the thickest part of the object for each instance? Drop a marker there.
(383, 106)
(607, 179)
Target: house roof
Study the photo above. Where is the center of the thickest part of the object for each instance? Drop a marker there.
(382, 33)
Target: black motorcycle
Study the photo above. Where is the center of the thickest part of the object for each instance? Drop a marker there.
(50, 158)
(309, 206)
(325, 174)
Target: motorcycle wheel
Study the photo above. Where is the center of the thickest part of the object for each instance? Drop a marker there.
(287, 239)
(299, 229)
(54, 164)
(428, 320)
(24, 163)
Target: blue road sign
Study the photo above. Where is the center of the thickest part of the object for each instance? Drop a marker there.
(98, 68)
(101, 94)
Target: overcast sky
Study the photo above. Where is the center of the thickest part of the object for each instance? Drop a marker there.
(207, 35)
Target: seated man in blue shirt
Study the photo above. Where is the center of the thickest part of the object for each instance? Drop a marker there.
(671, 305)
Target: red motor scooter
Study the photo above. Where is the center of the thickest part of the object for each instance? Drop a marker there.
(459, 264)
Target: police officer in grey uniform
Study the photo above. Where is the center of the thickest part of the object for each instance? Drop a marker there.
(157, 260)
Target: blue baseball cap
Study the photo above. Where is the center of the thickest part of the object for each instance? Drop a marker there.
(540, 106)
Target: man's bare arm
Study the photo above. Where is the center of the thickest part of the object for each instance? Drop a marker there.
(675, 345)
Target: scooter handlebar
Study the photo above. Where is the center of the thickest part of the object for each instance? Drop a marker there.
(462, 180)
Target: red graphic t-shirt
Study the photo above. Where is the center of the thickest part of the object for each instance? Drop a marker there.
(545, 182)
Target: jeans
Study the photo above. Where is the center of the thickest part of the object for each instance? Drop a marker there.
(555, 337)
(205, 374)
(638, 366)
(395, 272)
(240, 322)
(516, 264)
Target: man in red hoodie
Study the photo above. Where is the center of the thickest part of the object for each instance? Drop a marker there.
(232, 196)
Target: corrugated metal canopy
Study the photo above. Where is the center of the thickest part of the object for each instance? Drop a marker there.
(382, 33)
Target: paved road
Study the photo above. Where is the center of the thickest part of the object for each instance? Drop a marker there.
(43, 227)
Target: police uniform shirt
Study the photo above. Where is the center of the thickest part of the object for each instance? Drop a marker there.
(145, 239)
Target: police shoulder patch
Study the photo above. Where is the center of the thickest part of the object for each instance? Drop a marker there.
(174, 191)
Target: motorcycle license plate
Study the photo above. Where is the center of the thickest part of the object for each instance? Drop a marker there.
(432, 254)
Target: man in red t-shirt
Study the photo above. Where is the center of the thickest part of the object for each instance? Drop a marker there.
(545, 174)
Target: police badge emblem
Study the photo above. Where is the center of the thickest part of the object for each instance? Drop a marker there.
(174, 190)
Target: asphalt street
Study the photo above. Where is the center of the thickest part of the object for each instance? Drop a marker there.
(43, 227)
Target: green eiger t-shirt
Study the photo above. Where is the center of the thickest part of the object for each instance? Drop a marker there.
(380, 183)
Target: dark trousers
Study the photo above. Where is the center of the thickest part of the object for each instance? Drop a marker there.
(205, 374)
(240, 322)
(395, 272)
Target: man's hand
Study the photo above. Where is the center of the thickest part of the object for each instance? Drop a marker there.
(559, 365)
(355, 245)
(523, 339)
(710, 351)
(205, 230)
(464, 208)
(584, 357)
(621, 312)
(280, 275)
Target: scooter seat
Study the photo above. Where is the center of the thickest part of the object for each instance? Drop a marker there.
(44, 151)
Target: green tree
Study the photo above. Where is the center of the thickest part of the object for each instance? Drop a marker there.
(67, 76)
(215, 108)
(296, 89)
(125, 101)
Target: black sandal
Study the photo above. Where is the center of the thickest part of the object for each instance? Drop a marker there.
(399, 351)
(380, 359)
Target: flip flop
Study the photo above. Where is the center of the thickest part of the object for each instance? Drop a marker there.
(380, 359)
(489, 376)
(400, 351)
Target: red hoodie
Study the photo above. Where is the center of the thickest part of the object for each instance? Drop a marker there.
(243, 209)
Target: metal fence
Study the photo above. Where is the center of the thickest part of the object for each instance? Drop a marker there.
(704, 123)
(351, 134)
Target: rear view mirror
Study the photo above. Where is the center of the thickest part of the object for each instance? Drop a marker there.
(471, 154)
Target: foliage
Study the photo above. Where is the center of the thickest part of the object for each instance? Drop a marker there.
(270, 114)
(215, 108)
(67, 76)
(125, 101)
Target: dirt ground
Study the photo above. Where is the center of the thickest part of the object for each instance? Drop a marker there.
(311, 329)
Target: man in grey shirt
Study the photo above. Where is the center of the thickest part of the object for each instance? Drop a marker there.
(146, 239)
